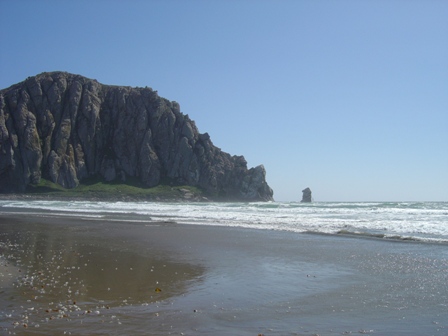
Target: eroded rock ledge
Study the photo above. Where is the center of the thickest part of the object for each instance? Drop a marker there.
(67, 128)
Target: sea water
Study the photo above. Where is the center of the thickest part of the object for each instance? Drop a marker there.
(420, 221)
(268, 280)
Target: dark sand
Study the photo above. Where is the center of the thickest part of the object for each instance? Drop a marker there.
(85, 277)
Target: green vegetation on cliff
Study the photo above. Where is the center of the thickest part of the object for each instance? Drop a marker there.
(99, 190)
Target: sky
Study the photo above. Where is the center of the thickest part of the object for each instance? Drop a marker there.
(347, 97)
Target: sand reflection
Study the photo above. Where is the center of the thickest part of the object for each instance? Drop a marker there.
(62, 274)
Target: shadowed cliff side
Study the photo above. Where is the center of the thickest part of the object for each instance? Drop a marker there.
(66, 128)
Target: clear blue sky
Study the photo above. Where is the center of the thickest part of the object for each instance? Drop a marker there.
(349, 98)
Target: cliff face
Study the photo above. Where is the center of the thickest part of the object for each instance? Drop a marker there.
(66, 128)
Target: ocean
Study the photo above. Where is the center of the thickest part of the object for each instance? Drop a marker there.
(141, 268)
(419, 221)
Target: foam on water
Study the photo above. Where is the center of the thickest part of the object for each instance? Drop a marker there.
(424, 221)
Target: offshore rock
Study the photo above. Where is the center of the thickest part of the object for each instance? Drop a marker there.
(66, 128)
(306, 197)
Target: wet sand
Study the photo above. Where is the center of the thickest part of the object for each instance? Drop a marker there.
(92, 277)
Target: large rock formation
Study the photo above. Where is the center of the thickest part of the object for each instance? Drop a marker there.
(306, 195)
(66, 128)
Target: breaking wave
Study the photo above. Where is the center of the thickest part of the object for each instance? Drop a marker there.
(413, 221)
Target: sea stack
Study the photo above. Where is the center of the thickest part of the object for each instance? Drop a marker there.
(306, 198)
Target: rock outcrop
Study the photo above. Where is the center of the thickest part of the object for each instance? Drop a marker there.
(306, 197)
(67, 128)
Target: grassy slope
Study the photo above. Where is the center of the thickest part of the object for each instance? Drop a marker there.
(95, 189)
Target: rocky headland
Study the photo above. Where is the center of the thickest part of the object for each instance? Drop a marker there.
(66, 129)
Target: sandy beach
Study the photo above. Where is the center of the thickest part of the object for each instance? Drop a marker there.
(94, 277)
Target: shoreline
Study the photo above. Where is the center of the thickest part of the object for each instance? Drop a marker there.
(159, 219)
(215, 280)
(181, 198)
